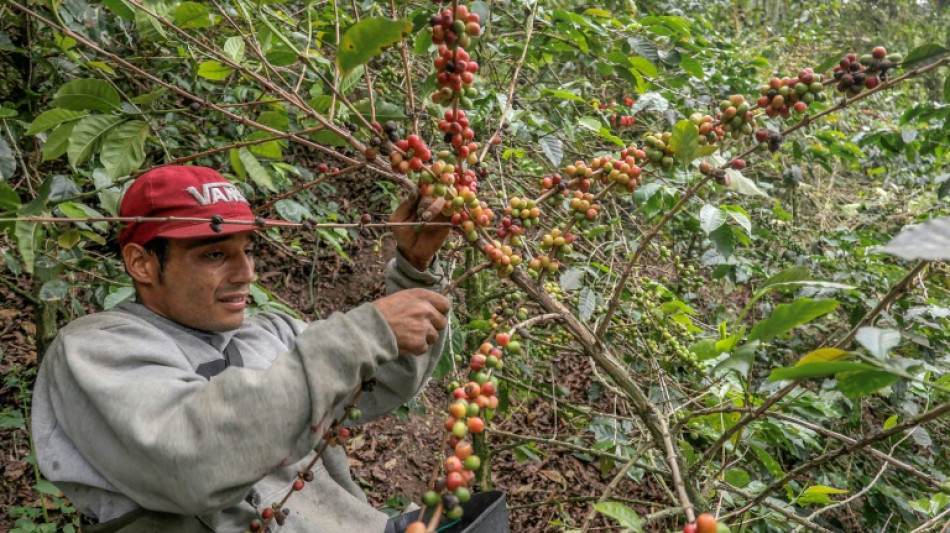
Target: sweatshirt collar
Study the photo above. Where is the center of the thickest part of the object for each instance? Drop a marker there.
(216, 339)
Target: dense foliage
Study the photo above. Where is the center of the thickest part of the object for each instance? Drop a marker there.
(774, 365)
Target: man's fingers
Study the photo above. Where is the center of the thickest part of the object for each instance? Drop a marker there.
(440, 321)
(430, 208)
(406, 208)
(441, 303)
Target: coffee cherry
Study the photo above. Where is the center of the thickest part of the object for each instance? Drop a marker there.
(431, 498)
(476, 425)
(298, 485)
(267, 513)
(454, 480)
(689, 528)
(417, 527)
(738, 164)
(879, 52)
(255, 525)
(706, 523)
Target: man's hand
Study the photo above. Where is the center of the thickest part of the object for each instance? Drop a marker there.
(419, 244)
(416, 316)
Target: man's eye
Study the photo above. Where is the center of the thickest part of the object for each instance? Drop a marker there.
(213, 255)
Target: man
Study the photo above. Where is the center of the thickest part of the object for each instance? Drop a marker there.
(178, 413)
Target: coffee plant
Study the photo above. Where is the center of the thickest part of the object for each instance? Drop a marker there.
(716, 233)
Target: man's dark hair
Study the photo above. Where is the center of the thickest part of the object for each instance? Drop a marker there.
(159, 248)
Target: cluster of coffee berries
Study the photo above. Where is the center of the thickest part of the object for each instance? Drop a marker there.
(583, 207)
(478, 216)
(736, 116)
(557, 243)
(547, 264)
(412, 155)
(556, 182)
(624, 172)
(456, 28)
(621, 121)
(854, 74)
(769, 139)
(709, 131)
(275, 513)
(508, 308)
(524, 209)
(579, 175)
(706, 523)
(472, 404)
(323, 168)
(554, 289)
(456, 132)
(782, 96)
(502, 257)
(656, 147)
(455, 69)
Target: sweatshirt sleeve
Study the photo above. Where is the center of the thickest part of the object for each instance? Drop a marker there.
(400, 380)
(173, 442)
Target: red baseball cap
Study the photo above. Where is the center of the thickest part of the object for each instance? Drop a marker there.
(183, 191)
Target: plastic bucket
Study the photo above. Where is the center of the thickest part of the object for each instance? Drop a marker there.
(486, 512)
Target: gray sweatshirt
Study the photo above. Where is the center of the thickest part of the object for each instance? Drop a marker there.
(123, 418)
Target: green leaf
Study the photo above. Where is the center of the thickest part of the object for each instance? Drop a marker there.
(823, 355)
(423, 42)
(45, 487)
(563, 95)
(890, 422)
(946, 90)
(234, 49)
(7, 113)
(212, 70)
(685, 141)
(8, 163)
(693, 67)
(859, 384)
(737, 478)
(256, 170)
(26, 235)
(350, 80)
(87, 136)
(816, 370)
(587, 302)
(626, 516)
(878, 341)
(818, 494)
(148, 26)
(120, 8)
(829, 62)
(923, 53)
(123, 150)
(58, 141)
(787, 316)
(193, 15)
(643, 66)
(9, 199)
(796, 273)
(88, 95)
(52, 118)
(118, 296)
(710, 218)
(740, 361)
(552, 148)
(367, 39)
(384, 110)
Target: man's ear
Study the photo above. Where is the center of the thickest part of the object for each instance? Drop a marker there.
(141, 265)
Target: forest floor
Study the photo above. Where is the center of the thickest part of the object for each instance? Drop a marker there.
(392, 458)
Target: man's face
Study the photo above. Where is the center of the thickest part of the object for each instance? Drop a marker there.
(205, 283)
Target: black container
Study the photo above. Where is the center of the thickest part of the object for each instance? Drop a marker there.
(486, 512)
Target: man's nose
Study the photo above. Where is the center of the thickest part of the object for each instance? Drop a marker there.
(243, 271)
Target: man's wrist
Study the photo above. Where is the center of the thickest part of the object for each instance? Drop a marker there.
(419, 264)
